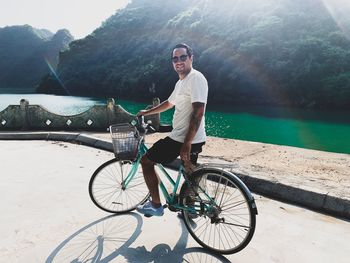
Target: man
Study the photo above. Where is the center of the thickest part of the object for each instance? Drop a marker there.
(188, 135)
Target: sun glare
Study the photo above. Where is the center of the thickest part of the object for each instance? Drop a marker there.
(340, 10)
(53, 71)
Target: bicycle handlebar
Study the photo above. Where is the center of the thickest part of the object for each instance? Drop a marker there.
(143, 127)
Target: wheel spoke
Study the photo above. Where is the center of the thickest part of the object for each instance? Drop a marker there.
(231, 224)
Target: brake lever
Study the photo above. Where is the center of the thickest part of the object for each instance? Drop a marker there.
(151, 128)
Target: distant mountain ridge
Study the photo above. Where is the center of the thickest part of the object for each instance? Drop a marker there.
(26, 52)
(271, 52)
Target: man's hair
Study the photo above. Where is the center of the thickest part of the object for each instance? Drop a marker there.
(189, 50)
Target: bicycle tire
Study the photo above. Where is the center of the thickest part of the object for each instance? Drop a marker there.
(227, 226)
(107, 193)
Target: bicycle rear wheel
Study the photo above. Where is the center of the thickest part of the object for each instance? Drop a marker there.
(219, 211)
(108, 192)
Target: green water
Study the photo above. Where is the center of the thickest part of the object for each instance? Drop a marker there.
(320, 130)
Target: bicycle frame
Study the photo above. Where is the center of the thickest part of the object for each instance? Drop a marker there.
(171, 198)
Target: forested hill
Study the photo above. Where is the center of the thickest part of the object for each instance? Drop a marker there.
(275, 52)
(26, 53)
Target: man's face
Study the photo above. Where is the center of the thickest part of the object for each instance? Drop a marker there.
(181, 61)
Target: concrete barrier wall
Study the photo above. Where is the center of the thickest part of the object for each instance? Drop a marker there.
(97, 118)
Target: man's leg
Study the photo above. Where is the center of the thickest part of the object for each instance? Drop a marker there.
(192, 190)
(163, 151)
(151, 180)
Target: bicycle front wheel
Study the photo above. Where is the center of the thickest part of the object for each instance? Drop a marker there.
(108, 191)
(219, 211)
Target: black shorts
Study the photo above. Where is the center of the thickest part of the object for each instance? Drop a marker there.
(167, 150)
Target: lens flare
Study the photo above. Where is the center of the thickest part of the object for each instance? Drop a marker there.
(53, 71)
(340, 10)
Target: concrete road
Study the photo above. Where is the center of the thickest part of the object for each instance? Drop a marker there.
(47, 216)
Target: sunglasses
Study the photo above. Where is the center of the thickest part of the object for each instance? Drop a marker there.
(182, 58)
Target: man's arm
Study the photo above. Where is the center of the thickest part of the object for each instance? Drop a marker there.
(195, 122)
(165, 105)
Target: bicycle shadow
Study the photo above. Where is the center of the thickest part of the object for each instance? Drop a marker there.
(163, 253)
(100, 241)
(109, 237)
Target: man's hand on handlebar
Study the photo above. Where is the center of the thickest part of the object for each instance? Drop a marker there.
(142, 113)
(141, 125)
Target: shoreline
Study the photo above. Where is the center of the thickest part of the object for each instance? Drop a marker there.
(308, 128)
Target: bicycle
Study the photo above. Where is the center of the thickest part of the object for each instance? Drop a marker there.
(217, 207)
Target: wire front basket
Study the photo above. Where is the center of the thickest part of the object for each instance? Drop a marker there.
(126, 139)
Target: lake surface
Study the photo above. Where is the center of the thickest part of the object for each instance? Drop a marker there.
(313, 129)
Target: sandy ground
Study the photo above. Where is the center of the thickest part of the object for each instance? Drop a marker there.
(319, 171)
(47, 216)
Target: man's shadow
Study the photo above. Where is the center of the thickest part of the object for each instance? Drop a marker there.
(109, 237)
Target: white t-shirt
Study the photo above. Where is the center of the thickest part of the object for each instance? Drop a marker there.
(193, 88)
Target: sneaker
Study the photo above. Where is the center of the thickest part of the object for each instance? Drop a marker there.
(149, 210)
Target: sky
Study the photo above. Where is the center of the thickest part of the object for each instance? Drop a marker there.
(80, 17)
